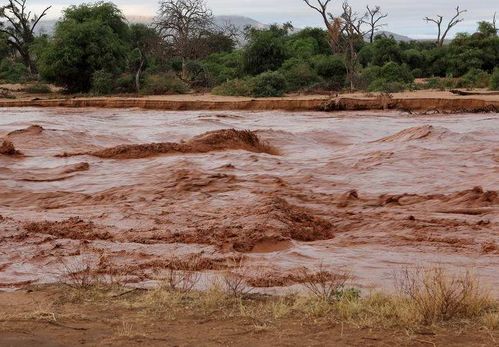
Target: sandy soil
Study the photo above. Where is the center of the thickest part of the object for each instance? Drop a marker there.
(132, 193)
(45, 317)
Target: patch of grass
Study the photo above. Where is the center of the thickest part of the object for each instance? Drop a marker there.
(37, 88)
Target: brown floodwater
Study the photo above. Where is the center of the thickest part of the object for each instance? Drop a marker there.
(132, 193)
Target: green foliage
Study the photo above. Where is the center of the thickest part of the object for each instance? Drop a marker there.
(392, 72)
(298, 74)
(265, 51)
(13, 72)
(269, 84)
(89, 38)
(302, 47)
(381, 51)
(440, 83)
(494, 79)
(163, 84)
(331, 69)
(102, 82)
(4, 47)
(224, 66)
(125, 83)
(382, 85)
(391, 78)
(38, 88)
(235, 87)
(198, 74)
(475, 78)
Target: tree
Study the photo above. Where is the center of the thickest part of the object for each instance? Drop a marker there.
(144, 41)
(89, 38)
(351, 38)
(345, 34)
(182, 22)
(333, 25)
(266, 49)
(374, 16)
(442, 33)
(19, 26)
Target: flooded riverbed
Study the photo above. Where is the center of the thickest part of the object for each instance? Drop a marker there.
(365, 192)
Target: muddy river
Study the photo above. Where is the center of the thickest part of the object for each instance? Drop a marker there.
(132, 193)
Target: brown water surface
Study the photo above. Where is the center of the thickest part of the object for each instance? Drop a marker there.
(122, 191)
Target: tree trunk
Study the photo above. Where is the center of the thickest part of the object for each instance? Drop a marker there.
(185, 73)
(139, 70)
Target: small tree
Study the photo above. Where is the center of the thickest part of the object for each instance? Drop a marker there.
(87, 39)
(374, 16)
(182, 22)
(19, 25)
(144, 41)
(438, 20)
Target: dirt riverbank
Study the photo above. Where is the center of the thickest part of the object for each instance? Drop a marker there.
(419, 101)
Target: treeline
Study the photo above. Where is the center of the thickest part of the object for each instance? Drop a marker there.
(95, 50)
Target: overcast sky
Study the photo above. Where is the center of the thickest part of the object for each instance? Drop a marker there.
(405, 17)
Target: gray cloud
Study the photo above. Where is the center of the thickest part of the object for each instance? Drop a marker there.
(405, 17)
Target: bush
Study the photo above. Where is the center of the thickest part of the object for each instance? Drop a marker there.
(437, 296)
(102, 83)
(331, 69)
(440, 83)
(269, 84)
(393, 72)
(12, 72)
(199, 75)
(163, 84)
(494, 80)
(382, 85)
(298, 74)
(38, 88)
(475, 78)
(236, 87)
(125, 83)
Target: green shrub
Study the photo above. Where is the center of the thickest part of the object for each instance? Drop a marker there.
(102, 82)
(236, 87)
(125, 83)
(198, 75)
(494, 79)
(38, 88)
(269, 84)
(331, 69)
(12, 72)
(475, 78)
(298, 74)
(393, 72)
(163, 84)
(440, 83)
(382, 85)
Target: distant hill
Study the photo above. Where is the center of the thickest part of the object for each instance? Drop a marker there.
(399, 38)
(240, 22)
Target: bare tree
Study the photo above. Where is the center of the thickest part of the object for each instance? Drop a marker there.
(438, 20)
(352, 35)
(180, 23)
(374, 17)
(19, 25)
(333, 24)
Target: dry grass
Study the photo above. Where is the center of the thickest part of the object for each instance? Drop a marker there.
(437, 296)
(425, 297)
(325, 285)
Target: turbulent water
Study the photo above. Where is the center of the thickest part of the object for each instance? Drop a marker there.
(134, 193)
